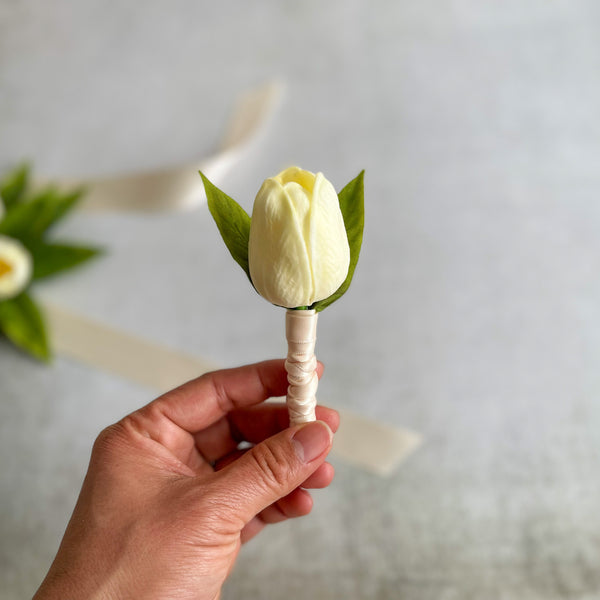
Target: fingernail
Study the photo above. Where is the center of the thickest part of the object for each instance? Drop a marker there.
(312, 440)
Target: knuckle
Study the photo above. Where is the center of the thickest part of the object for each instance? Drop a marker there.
(272, 464)
(104, 438)
(108, 439)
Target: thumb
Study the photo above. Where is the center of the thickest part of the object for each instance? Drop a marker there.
(273, 469)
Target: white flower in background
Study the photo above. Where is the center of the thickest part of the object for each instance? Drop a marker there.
(15, 267)
(298, 251)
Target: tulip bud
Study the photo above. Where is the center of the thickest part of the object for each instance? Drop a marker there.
(298, 249)
(15, 267)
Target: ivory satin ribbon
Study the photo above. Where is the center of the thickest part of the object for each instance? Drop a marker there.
(367, 444)
(301, 365)
(181, 188)
(362, 442)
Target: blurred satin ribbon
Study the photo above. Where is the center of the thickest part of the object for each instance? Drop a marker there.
(370, 445)
(181, 188)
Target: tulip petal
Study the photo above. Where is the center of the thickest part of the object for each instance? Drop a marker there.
(278, 260)
(328, 247)
(297, 175)
(300, 200)
(351, 199)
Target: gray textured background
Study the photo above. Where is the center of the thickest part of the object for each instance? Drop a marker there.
(475, 311)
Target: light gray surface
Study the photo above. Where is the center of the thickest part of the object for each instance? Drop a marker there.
(475, 308)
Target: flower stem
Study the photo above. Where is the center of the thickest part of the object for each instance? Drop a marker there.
(301, 365)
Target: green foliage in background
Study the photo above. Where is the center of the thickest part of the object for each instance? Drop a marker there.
(29, 216)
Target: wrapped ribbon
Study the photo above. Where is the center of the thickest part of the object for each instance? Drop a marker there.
(301, 365)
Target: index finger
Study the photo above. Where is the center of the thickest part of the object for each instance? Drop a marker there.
(203, 401)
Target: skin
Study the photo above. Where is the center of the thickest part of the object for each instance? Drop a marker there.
(169, 498)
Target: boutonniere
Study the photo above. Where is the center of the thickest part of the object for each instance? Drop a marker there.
(299, 250)
(28, 254)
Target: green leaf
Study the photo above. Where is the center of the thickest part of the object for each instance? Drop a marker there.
(33, 218)
(18, 221)
(14, 185)
(49, 259)
(233, 223)
(55, 210)
(352, 205)
(22, 323)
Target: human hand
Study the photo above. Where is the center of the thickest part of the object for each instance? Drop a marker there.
(169, 498)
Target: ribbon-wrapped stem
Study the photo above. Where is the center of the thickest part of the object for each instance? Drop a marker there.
(301, 365)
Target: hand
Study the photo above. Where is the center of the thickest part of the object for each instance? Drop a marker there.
(169, 498)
